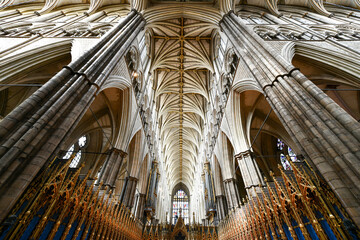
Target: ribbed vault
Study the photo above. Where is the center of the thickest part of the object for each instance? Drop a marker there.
(181, 65)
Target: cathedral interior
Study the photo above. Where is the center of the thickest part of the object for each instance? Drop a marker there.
(180, 119)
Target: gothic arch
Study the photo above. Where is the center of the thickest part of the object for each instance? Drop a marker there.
(176, 188)
(225, 153)
(332, 71)
(338, 62)
(116, 81)
(22, 63)
(201, 13)
(33, 67)
(135, 152)
(143, 174)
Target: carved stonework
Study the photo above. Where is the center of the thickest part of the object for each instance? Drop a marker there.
(231, 61)
(217, 42)
(132, 58)
(242, 155)
(148, 42)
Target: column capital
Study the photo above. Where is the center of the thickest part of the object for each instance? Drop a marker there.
(130, 178)
(229, 180)
(118, 151)
(241, 155)
(207, 166)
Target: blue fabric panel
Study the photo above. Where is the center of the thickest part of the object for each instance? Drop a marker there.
(338, 212)
(310, 229)
(81, 231)
(88, 235)
(325, 226)
(49, 226)
(72, 230)
(297, 230)
(22, 208)
(47, 230)
(59, 232)
(61, 229)
(352, 233)
(354, 237)
(30, 228)
(270, 232)
(3, 234)
(287, 232)
(277, 231)
(265, 235)
(5, 231)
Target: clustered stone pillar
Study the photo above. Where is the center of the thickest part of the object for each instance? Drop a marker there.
(128, 192)
(32, 134)
(221, 206)
(326, 135)
(209, 186)
(152, 190)
(111, 168)
(232, 193)
(250, 172)
(140, 206)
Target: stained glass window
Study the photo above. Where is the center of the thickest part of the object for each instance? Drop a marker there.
(180, 201)
(82, 141)
(280, 144)
(76, 147)
(285, 163)
(69, 152)
(285, 150)
(292, 154)
(75, 162)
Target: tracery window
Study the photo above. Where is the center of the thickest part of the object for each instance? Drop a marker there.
(281, 146)
(284, 162)
(77, 147)
(180, 201)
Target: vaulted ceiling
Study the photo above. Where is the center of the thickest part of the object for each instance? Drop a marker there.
(181, 65)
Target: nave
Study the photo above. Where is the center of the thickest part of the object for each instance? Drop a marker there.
(161, 119)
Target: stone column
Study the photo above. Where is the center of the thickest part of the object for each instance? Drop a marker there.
(250, 172)
(221, 207)
(139, 213)
(111, 167)
(326, 135)
(128, 192)
(152, 189)
(232, 193)
(211, 207)
(32, 134)
(205, 190)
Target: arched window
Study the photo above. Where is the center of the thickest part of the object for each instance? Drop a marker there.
(285, 163)
(180, 201)
(280, 144)
(78, 146)
(285, 150)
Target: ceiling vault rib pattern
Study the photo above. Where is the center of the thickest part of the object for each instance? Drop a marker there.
(182, 64)
(181, 69)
